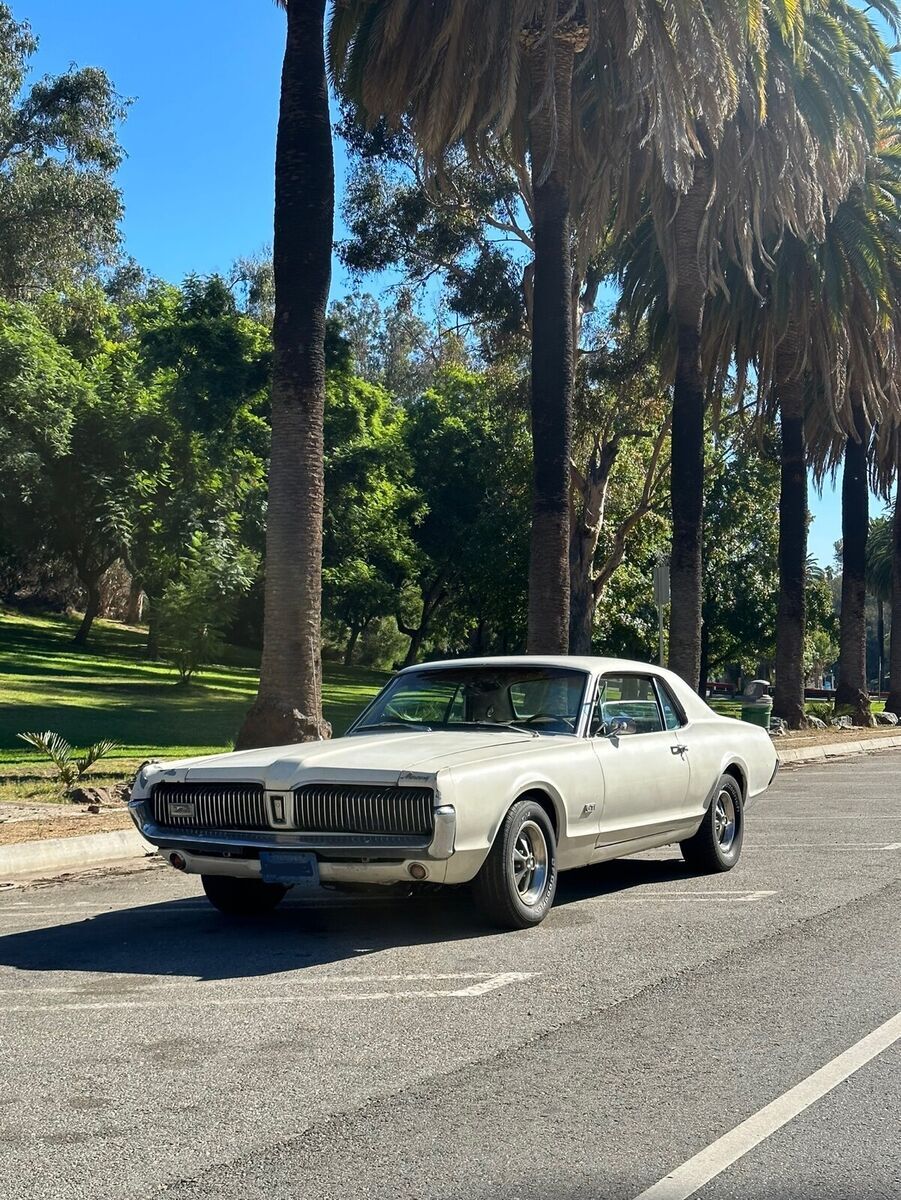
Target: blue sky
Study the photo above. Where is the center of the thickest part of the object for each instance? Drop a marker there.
(200, 135)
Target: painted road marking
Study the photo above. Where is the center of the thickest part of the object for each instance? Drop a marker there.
(480, 983)
(824, 846)
(697, 1171)
(646, 896)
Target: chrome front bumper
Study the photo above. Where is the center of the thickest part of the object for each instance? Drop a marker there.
(237, 845)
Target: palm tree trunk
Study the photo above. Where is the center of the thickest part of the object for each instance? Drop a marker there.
(288, 707)
(705, 659)
(687, 472)
(552, 358)
(893, 703)
(788, 696)
(852, 693)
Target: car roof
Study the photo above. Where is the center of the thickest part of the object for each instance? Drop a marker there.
(575, 662)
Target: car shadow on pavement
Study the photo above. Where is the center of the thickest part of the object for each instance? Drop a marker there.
(188, 939)
(618, 875)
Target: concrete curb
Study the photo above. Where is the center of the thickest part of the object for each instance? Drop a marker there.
(55, 855)
(802, 754)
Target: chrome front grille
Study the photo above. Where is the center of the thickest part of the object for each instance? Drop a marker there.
(327, 808)
(208, 806)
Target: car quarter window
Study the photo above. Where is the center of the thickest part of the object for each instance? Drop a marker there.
(626, 704)
(672, 713)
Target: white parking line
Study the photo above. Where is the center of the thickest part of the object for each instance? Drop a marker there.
(823, 846)
(647, 896)
(483, 982)
(732, 1146)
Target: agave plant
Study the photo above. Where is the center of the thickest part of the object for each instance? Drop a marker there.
(69, 767)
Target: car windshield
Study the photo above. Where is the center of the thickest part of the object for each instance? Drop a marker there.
(529, 699)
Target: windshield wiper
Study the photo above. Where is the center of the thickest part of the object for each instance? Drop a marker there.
(492, 725)
(394, 725)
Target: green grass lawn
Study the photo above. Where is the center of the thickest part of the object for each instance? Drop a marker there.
(110, 690)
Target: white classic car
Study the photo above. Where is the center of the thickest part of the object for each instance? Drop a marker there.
(497, 771)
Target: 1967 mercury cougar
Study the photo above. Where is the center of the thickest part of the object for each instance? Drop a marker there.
(499, 771)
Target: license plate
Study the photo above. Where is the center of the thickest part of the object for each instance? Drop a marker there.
(300, 870)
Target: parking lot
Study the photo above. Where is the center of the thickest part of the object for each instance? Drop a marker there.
(393, 1047)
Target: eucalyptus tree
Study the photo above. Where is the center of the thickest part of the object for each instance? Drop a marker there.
(59, 150)
(288, 705)
(565, 87)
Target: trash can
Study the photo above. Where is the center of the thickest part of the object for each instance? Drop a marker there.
(757, 703)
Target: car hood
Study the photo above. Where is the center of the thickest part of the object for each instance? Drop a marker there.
(381, 757)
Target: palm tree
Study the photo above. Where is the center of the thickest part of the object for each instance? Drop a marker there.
(861, 288)
(566, 86)
(288, 706)
(796, 143)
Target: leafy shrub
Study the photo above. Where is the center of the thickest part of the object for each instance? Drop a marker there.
(382, 645)
(69, 768)
(199, 602)
(819, 708)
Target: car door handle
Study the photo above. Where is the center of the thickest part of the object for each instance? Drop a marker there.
(679, 749)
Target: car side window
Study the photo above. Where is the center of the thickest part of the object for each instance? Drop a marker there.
(626, 705)
(671, 714)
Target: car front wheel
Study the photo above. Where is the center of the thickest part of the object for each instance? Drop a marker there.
(242, 897)
(717, 845)
(516, 885)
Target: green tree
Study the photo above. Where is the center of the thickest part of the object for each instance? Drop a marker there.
(370, 504)
(59, 150)
(67, 438)
(468, 446)
(741, 583)
(204, 368)
(198, 602)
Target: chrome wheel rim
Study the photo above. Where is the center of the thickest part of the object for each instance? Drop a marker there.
(725, 821)
(529, 863)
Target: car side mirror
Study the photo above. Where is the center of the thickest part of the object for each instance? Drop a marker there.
(618, 727)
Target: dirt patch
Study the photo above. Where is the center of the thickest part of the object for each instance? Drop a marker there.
(824, 737)
(33, 822)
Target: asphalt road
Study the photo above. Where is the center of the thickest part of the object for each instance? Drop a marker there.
(393, 1048)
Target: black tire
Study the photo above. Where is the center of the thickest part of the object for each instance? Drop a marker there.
(716, 847)
(242, 897)
(512, 902)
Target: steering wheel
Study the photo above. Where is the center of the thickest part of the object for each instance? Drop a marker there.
(560, 724)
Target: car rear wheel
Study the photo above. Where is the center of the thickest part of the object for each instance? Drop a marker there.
(717, 845)
(242, 897)
(516, 885)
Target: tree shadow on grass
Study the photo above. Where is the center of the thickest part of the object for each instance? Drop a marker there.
(188, 939)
